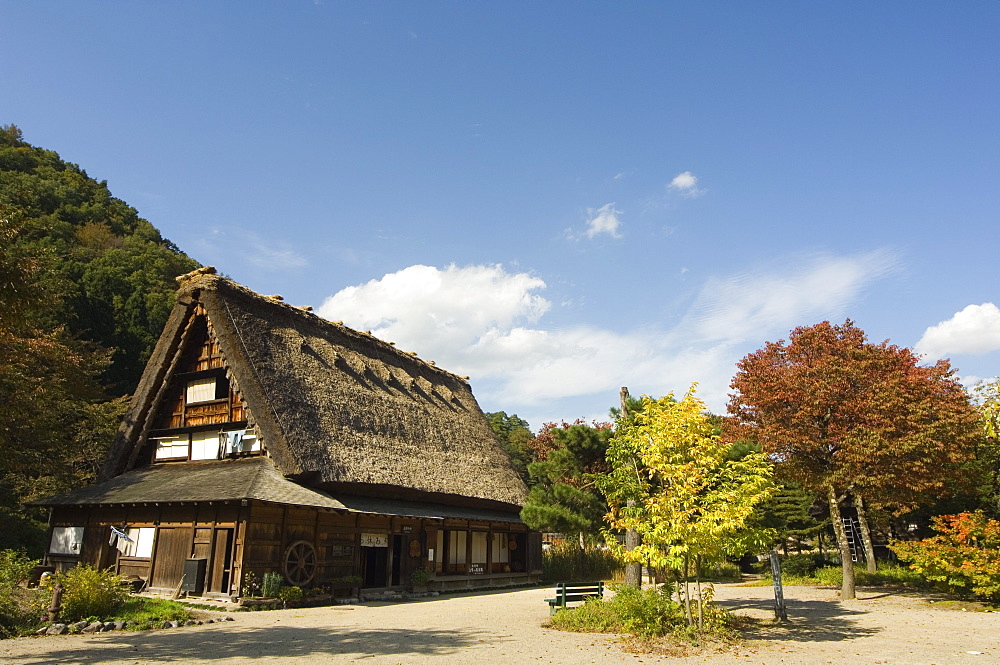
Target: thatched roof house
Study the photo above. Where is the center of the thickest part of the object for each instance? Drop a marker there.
(262, 410)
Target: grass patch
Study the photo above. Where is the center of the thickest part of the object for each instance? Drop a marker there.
(142, 610)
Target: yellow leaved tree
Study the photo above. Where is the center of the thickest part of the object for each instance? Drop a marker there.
(672, 481)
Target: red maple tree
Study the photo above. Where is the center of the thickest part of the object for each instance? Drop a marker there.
(843, 416)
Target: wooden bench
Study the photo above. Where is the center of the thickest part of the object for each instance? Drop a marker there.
(573, 593)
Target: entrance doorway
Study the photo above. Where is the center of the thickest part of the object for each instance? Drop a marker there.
(374, 565)
(397, 558)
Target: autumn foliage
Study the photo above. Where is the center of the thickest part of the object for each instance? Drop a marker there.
(964, 557)
(836, 410)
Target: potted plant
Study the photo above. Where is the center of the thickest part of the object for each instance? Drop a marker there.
(419, 579)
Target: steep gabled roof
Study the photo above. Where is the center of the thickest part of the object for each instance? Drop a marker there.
(335, 407)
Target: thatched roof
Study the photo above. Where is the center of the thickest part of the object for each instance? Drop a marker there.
(335, 408)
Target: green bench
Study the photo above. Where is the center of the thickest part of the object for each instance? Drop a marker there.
(573, 593)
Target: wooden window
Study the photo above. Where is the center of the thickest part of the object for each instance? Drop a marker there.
(142, 541)
(66, 540)
(172, 447)
(200, 390)
(204, 445)
(501, 554)
(478, 547)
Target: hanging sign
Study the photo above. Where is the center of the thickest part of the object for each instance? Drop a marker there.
(374, 540)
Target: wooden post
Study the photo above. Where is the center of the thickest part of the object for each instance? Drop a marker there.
(779, 594)
(633, 571)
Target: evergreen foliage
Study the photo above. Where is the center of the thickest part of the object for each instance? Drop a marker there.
(86, 286)
(563, 497)
(515, 435)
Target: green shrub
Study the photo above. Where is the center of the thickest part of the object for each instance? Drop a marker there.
(14, 567)
(646, 613)
(88, 592)
(287, 593)
(271, 584)
(723, 572)
(16, 614)
(563, 563)
(801, 565)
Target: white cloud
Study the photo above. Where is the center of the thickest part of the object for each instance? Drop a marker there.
(976, 329)
(604, 220)
(686, 184)
(489, 323)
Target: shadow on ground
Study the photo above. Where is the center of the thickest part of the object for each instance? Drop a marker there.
(808, 620)
(247, 644)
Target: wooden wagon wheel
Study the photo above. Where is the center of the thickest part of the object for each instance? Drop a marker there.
(300, 562)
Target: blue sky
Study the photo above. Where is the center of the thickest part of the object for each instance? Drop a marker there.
(556, 199)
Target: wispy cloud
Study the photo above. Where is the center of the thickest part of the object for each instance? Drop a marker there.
(489, 323)
(605, 219)
(223, 245)
(975, 329)
(686, 184)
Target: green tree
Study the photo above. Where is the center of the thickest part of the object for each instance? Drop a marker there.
(845, 417)
(515, 435)
(563, 497)
(49, 396)
(987, 398)
(672, 480)
(109, 272)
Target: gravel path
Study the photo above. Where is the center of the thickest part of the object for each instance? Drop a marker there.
(506, 627)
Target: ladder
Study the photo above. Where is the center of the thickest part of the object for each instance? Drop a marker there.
(851, 529)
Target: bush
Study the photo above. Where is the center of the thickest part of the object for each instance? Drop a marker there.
(287, 593)
(801, 565)
(88, 592)
(16, 614)
(647, 612)
(562, 563)
(963, 558)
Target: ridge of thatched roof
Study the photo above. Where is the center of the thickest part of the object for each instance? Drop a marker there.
(333, 404)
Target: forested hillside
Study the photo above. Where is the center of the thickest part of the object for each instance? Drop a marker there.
(86, 285)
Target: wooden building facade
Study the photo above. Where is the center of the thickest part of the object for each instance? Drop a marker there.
(265, 439)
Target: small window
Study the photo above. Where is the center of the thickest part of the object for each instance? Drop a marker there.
(142, 541)
(200, 390)
(172, 447)
(66, 540)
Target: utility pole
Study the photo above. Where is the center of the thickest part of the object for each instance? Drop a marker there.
(633, 571)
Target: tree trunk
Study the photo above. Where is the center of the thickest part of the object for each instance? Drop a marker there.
(697, 577)
(866, 535)
(687, 593)
(847, 587)
(581, 565)
(633, 571)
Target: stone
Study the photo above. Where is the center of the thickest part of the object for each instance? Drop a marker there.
(57, 629)
(94, 627)
(228, 619)
(209, 620)
(190, 622)
(109, 625)
(78, 626)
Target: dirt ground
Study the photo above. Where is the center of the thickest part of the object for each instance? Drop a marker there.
(506, 626)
